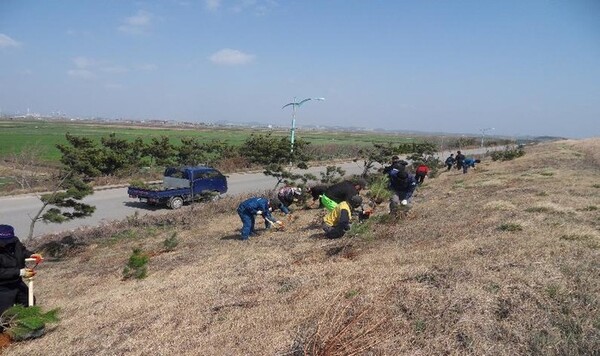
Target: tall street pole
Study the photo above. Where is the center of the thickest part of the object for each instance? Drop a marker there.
(295, 104)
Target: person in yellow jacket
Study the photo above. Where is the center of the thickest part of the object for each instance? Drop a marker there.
(337, 221)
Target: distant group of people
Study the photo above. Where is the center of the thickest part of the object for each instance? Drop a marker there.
(461, 162)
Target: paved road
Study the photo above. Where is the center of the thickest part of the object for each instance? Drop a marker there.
(114, 204)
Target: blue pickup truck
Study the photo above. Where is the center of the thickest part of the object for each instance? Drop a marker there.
(181, 185)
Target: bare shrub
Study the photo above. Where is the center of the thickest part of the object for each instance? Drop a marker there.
(234, 164)
(347, 327)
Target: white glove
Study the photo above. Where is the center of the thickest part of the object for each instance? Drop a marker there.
(259, 212)
(404, 202)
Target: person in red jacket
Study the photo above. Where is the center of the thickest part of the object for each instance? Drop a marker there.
(421, 173)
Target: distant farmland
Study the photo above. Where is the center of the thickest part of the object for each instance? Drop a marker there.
(45, 135)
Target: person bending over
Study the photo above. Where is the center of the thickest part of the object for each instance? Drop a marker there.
(337, 221)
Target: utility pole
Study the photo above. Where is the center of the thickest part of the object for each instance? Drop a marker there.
(295, 104)
(483, 131)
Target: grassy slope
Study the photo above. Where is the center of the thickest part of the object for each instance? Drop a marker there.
(447, 279)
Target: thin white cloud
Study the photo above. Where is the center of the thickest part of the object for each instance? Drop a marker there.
(147, 67)
(114, 69)
(212, 4)
(137, 24)
(231, 57)
(88, 68)
(83, 62)
(81, 74)
(6, 41)
(259, 7)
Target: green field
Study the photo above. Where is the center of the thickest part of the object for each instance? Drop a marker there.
(45, 135)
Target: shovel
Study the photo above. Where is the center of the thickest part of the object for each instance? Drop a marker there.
(277, 226)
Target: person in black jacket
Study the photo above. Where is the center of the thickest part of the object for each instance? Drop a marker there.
(340, 192)
(450, 161)
(12, 268)
(397, 164)
(316, 192)
(402, 186)
(459, 159)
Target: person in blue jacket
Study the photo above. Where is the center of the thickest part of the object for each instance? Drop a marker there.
(469, 162)
(248, 210)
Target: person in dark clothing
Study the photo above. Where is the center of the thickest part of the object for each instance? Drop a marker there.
(316, 192)
(340, 192)
(248, 210)
(397, 164)
(12, 269)
(450, 161)
(459, 159)
(402, 185)
(420, 173)
(337, 221)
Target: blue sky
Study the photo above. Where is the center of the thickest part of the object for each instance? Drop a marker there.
(522, 67)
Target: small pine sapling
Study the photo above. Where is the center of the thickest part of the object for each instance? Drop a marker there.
(23, 323)
(136, 265)
(171, 242)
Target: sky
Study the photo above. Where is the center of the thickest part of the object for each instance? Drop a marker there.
(522, 67)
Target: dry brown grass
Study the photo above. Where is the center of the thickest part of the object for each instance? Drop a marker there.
(444, 280)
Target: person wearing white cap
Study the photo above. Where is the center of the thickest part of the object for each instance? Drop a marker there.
(287, 195)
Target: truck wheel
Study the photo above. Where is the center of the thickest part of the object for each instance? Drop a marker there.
(176, 203)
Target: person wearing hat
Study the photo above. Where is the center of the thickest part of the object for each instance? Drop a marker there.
(337, 221)
(12, 269)
(248, 210)
(287, 195)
